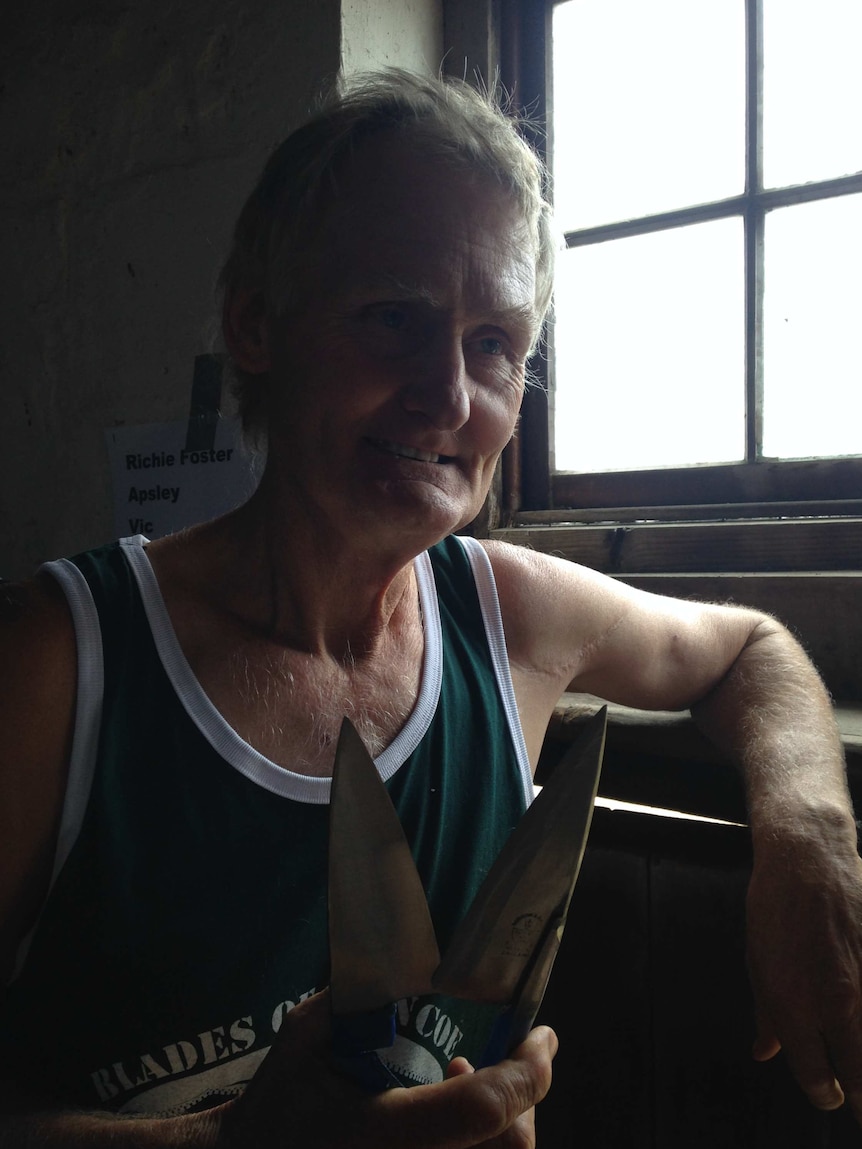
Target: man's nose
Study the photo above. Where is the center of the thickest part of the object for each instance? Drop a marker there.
(440, 387)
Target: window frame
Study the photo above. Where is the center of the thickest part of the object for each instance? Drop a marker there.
(531, 491)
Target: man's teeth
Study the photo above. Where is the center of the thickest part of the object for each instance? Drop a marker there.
(410, 452)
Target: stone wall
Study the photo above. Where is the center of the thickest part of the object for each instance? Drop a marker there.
(132, 134)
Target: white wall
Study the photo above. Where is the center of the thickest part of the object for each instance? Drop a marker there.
(131, 135)
(405, 33)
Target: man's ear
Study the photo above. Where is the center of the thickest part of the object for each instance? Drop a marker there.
(246, 331)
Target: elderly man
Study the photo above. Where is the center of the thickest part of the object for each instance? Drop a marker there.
(171, 708)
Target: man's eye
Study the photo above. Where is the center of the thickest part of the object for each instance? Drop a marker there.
(394, 318)
(391, 329)
(490, 345)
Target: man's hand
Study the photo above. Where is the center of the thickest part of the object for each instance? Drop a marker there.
(298, 1097)
(805, 958)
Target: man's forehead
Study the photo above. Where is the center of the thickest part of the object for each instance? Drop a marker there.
(391, 184)
(497, 304)
(403, 227)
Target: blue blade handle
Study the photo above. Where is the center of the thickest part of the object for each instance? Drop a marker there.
(355, 1040)
(516, 1020)
(499, 1042)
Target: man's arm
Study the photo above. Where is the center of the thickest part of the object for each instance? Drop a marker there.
(805, 895)
(754, 692)
(37, 701)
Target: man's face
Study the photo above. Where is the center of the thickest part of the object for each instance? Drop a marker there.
(394, 391)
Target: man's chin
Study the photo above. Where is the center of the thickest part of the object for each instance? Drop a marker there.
(429, 521)
(416, 513)
(425, 501)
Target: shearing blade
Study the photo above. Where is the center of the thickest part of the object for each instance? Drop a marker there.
(503, 950)
(382, 942)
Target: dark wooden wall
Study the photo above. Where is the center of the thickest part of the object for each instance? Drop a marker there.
(650, 1000)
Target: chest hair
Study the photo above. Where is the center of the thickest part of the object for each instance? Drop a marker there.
(288, 704)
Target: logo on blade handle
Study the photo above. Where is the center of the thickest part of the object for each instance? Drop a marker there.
(522, 938)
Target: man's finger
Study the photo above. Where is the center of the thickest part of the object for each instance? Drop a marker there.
(844, 1043)
(810, 1064)
(766, 1043)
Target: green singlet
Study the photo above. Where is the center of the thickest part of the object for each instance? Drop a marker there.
(187, 910)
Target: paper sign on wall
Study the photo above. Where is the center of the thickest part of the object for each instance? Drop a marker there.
(162, 483)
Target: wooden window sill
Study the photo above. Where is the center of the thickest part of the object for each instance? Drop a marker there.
(661, 760)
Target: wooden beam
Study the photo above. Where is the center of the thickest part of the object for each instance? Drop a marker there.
(648, 548)
(696, 512)
(773, 480)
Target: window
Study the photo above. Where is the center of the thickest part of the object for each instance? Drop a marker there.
(707, 163)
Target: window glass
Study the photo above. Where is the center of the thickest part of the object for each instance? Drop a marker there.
(812, 334)
(812, 90)
(649, 350)
(648, 106)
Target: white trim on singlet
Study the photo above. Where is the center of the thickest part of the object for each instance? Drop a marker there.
(88, 721)
(209, 721)
(489, 601)
(225, 740)
(88, 704)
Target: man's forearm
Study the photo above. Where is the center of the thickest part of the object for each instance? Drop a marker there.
(773, 716)
(72, 1130)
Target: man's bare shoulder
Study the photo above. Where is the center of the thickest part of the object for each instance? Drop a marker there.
(622, 643)
(38, 668)
(516, 567)
(525, 563)
(546, 584)
(35, 627)
(536, 586)
(551, 608)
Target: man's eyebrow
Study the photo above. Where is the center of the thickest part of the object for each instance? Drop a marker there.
(400, 288)
(522, 315)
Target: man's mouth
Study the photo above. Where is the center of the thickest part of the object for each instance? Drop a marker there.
(406, 452)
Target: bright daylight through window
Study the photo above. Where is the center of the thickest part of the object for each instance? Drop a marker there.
(709, 302)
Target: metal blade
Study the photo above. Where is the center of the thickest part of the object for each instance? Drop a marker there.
(504, 948)
(381, 939)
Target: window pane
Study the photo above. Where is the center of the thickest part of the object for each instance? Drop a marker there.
(649, 106)
(812, 335)
(649, 350)
(812, 90)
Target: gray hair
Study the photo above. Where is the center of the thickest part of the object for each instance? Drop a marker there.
(465, 128)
